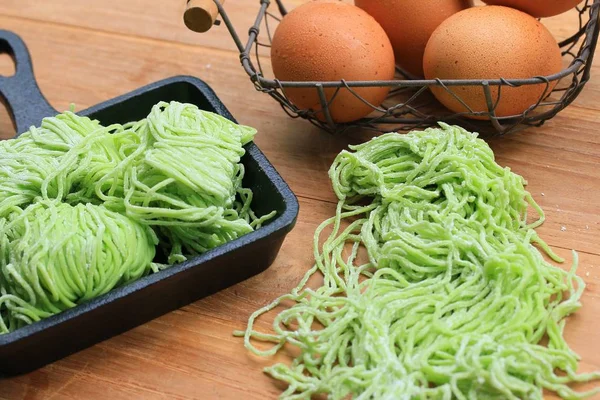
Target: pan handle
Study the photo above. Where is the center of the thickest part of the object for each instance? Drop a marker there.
(20, 93)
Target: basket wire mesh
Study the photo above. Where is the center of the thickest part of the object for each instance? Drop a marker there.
(410, 104)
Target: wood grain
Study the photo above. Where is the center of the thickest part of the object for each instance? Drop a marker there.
(87, 51)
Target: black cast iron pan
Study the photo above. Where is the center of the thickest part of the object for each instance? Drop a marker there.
(121, 309)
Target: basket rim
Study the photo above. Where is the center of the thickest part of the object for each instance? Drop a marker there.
(276, 83)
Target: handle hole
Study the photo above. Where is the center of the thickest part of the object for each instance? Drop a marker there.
(7, 65)
(7, 126)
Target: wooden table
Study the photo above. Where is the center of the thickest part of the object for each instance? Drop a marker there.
(87, 51)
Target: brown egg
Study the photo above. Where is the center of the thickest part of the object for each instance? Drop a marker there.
(491, 42)
(537, 8)
(410, 23)
(328, 40)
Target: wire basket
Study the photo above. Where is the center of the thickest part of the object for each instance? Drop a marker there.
(410, 104)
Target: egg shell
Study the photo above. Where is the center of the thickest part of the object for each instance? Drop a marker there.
(537, 8)
(409, 24)
(327, 40)
(491, 42)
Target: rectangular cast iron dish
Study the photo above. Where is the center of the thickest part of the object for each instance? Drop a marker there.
(125, 307)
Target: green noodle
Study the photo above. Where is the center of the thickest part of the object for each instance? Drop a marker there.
(453, 300)
(193, 203)
(86, 207)
(54, 255)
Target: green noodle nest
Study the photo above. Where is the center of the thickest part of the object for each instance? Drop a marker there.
(86, 207)
(54, 255)
(452, 298)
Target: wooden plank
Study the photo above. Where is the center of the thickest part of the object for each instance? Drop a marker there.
(154, 19)
(209, 362)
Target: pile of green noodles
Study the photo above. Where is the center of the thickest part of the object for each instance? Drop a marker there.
(451, 300)
(86, 207)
